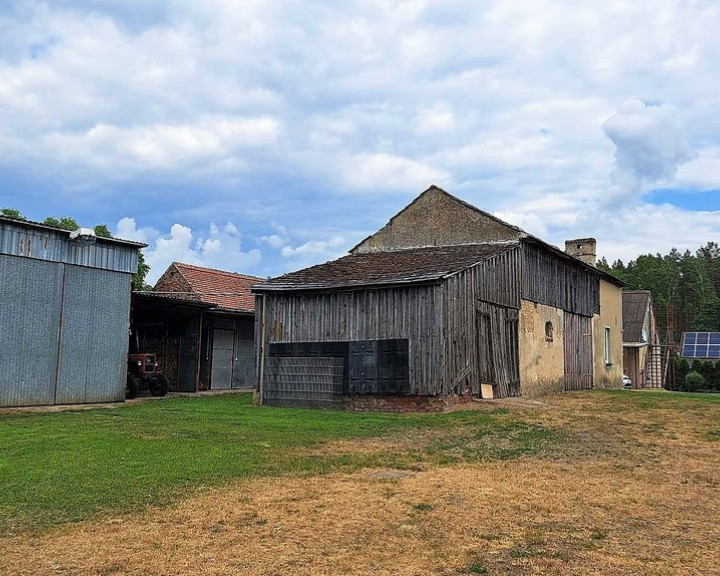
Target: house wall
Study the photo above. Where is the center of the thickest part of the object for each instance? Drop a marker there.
(414, 313)
(172, 281)
(608, 376)
(453, 222)
(542, 361)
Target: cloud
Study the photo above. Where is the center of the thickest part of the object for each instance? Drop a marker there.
(216, 248)
(386, 171)
(330, 117)
(314, 247)
(650, 143)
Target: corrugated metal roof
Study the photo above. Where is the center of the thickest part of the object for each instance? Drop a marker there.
(227, 290)
(39, 242)
(634, 307)
(408, 266)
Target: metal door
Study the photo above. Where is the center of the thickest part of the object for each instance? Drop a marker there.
(222, 359)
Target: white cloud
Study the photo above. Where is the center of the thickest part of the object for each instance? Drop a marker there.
(320, 247)
(651, 143)
(217, 248)
(215, 113)
(273, 240)
(386, 172)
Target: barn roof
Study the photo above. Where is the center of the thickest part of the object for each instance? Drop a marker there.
(227, 290)
(634, 307)
(406, 266)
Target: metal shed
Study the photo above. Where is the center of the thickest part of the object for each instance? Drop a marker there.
(64, 315)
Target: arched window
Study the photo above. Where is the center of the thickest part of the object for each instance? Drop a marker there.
(548, 332)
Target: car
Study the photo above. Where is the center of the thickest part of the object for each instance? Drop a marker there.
(627, 383)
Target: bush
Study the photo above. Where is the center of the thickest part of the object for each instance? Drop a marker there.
(693, 381)
(682, 368)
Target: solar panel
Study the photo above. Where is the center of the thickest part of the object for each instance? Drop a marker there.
(701, 345)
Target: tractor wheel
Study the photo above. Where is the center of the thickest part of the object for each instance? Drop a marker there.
(131, 387)
(160, 386)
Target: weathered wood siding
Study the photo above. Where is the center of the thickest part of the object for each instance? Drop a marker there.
(549, 279)
(481, 339)
(577, 331)
(415, 313)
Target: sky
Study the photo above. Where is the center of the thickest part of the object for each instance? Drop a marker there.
(262, 137)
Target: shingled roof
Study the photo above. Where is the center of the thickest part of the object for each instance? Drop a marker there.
(227, 290)
(408, 266)
(634, 307)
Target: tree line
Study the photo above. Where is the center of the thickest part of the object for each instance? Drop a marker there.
(685, 288)
(101, 230)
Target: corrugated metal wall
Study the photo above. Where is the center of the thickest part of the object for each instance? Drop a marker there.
(93, 351)
(63, 320)
(30, 302)
(17, 239)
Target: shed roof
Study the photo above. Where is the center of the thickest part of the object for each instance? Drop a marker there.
(634, 307)
(406, 266)
(227, 290)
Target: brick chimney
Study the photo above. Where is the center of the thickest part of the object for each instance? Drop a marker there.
(584, 249)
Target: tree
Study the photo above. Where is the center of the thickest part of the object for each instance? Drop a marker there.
(65, 223)
(141, 274)
(708, 317)
(12, 213)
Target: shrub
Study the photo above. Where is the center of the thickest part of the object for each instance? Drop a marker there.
(682, 368)
(693, 381)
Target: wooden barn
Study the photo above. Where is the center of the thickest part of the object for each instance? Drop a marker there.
(445, 302)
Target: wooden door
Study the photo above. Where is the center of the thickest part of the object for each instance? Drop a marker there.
(577, 335)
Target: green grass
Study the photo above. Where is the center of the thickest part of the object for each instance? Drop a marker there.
(58, 467)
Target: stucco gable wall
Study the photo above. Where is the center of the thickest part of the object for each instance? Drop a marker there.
(436, 218)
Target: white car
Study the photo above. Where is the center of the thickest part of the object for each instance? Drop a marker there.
(627, 383)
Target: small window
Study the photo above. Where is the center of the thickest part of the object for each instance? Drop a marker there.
(548, 332)
(608, 359)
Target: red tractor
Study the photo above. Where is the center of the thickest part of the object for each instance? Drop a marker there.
(143, 374)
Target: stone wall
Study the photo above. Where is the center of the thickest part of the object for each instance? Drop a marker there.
(437, 218)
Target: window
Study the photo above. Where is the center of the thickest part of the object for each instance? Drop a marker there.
(608, 359)
(548, 332)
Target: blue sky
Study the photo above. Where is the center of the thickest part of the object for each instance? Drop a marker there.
(262, 137)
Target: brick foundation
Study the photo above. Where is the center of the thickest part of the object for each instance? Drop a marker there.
(371, 403)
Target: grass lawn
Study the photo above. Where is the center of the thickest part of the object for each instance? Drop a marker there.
(601, 482)
(58, 467)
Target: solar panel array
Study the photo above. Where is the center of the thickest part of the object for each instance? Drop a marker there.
(701, 345)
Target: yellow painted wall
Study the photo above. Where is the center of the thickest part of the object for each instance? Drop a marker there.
(542, 362)
(608, 376)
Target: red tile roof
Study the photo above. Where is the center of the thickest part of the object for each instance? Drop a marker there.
(226, 289)
(410, 265)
